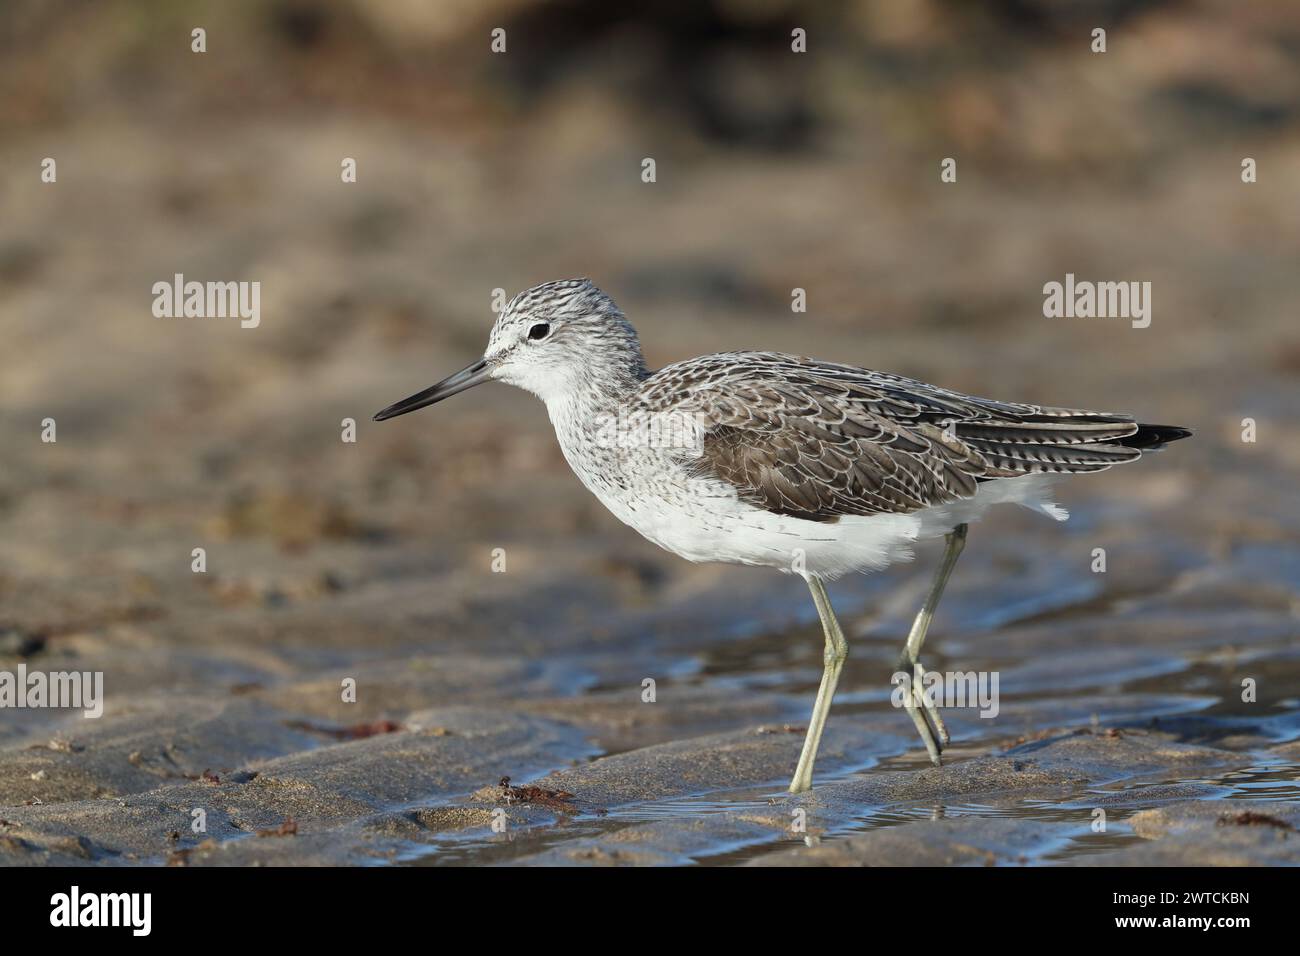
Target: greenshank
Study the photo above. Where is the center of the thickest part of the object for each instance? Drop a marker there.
(762, 458)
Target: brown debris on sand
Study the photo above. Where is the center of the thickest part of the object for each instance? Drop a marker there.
(288, 828)
(1252, 818)
(354, 732)
(540, 796)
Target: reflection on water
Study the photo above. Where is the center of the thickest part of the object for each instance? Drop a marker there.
(1072, 834)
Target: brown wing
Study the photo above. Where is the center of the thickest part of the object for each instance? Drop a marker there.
(819, 441)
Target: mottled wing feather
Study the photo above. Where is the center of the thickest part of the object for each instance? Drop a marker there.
(819, 440)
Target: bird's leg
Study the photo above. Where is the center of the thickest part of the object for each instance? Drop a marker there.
(837, 649)
(917, 702)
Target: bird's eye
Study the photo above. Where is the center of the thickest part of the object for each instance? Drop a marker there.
(539, 331)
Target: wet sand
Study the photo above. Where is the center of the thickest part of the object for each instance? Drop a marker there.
(1118, 701)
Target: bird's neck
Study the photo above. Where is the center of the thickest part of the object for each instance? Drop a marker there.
(597, 391)
(597, 401)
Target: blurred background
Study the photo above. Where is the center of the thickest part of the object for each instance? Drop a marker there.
(478, 171)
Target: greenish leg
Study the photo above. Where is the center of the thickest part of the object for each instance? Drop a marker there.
(918, 703)
(837, 649)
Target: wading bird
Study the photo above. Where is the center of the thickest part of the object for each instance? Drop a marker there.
(811, 467)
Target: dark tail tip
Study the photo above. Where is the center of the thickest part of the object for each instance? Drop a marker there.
(1152, 437)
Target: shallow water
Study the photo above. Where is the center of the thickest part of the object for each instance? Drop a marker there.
(1174, 686)
(1072, 837)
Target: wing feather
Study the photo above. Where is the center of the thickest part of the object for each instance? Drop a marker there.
(820, 440)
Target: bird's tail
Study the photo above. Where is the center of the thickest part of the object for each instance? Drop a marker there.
(1153, 437)
(1061, 441)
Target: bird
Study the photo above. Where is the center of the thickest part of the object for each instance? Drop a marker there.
(775, 460)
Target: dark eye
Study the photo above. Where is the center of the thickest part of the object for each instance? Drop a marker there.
(539, 331)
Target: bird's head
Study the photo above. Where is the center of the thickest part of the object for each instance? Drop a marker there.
(553, 340)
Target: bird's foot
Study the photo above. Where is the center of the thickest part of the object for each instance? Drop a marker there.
(924, 711)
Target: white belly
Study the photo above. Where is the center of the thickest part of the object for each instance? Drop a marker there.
(709, 523)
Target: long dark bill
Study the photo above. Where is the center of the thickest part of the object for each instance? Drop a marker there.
(467, 377)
